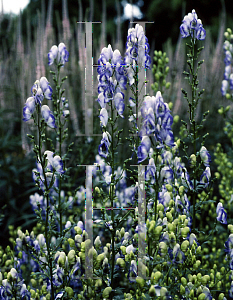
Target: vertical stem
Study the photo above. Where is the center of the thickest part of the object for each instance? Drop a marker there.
(47, 205)
(58, 88)
(193, 128)
(111, 195)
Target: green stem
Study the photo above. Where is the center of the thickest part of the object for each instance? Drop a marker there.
(112, 195)
(193, 127)
(47, 205)
(60, 143)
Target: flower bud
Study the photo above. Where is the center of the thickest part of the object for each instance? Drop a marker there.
(71, 256)
(106, 292)
(157, 231)
(169, 216)
(221, 296)
(140, 281)
(78, 230)
(185, 231)
(183, 281)
(191, 294)
(160, 207)
(163, 291)
(82, 255)
(152, 226)
(202, 296)
(198, 250)
(169, 187)
(230, 227)
(152, 291)
(71, 242)
(97, 190)
(97, 242)
(69, 292)
(181, 190)
(170, 105)
(193, 160)
(120, 262)
(184, 245)
(182, 290)
(123, 250)
(170, 227)
(98, 283)
(205, 279)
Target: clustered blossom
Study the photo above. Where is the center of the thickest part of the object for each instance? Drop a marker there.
(137, 52)
(40, 90)
(191, 25)
(13, 286)
(157, 122)
(227, 82)
(58, 54)
(110, 64)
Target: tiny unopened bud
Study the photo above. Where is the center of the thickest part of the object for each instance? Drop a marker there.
(106, 292)
(70, 292)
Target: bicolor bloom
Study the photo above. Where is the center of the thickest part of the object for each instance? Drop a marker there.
(205, 177)
(178, 255)
(137, 50)
(41, 89)
(48, 116)
(143, 149)
(29, 109)
(103, 117)
(205, 156)
(224, 87)
(54, 161)
(221, 214)
(58, 55)
(104, 144)
(191, 25)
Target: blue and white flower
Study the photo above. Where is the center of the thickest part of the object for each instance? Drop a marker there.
(58, 55)
(191, 25)
(221, 214)
(48, 116)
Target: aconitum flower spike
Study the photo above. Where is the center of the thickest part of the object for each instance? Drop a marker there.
(221, 214)
(191, 25)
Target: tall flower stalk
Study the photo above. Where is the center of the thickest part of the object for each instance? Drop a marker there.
(192, 26)
(50, 167)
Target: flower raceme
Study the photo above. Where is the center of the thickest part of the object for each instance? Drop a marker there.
(110, 62)
(40, 90)
(191, 25)
(58, 54)
(157, 122)
(137, 52)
